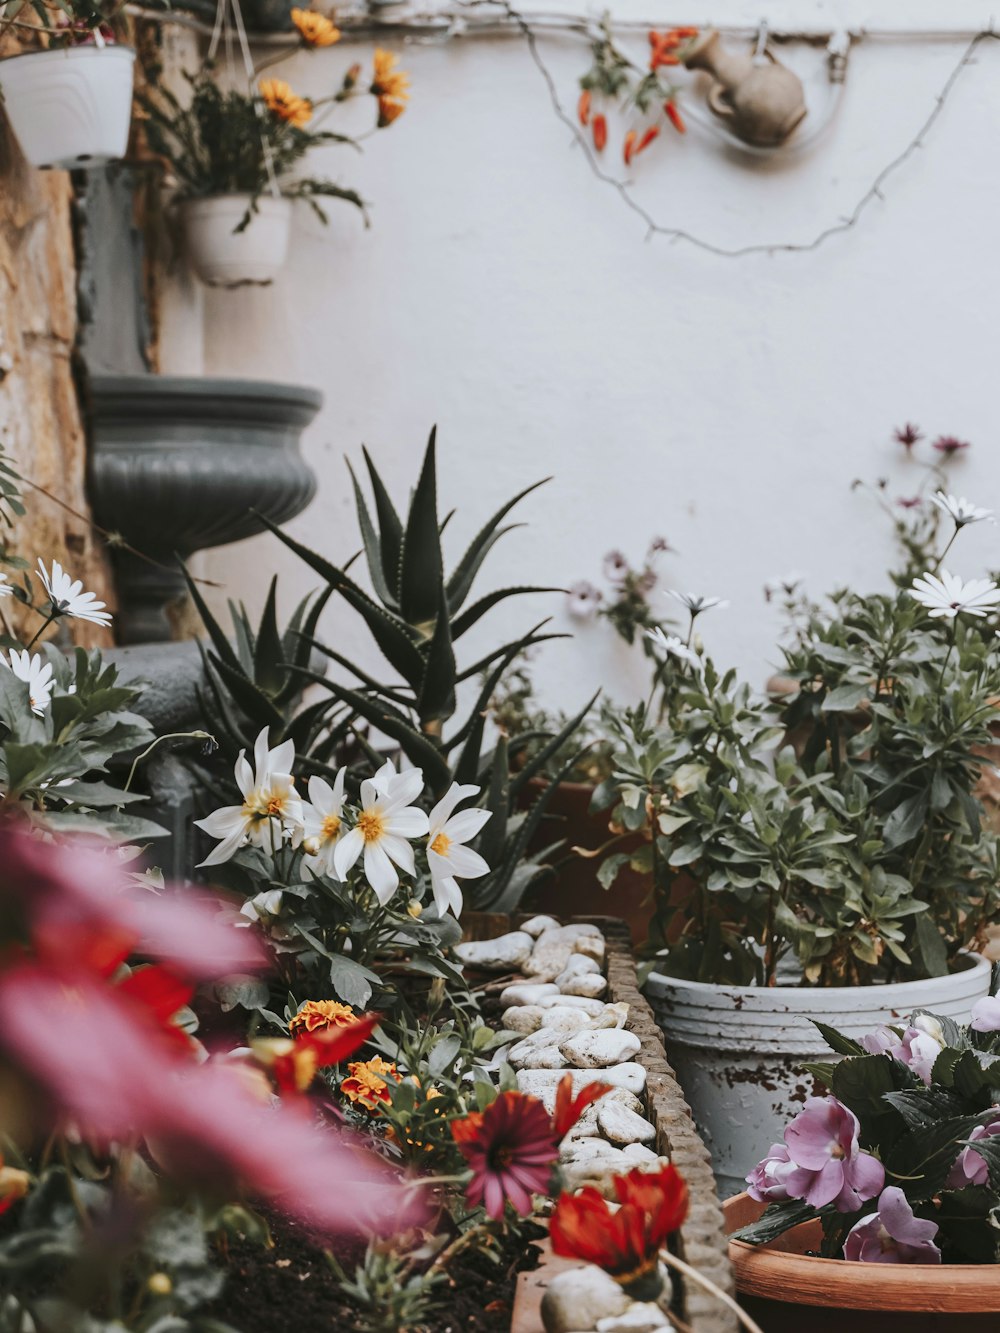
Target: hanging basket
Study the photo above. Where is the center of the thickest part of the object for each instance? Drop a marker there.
(70, 107)
(225, 257)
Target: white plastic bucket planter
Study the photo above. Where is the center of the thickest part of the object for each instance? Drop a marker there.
(70, 107)
(225, 257)
(738, 1051)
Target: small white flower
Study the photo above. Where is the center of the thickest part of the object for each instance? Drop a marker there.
(672, 646)
(271, 809)
(386, 820)
(583, 600)
(695, 605)
(323, 823)
(5, 589)
(946, 596)
(960, 510)
(36, 674)
(264, 905)
(616, 567)
(67, 597)
(447, 856)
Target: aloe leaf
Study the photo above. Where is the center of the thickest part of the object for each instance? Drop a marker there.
(529, 641)
(494, 835)
(373, 547)
(437, 693)
(478, 609)
(538, 761)
(466, 569)
(386, 691)
(421, 573)
(252, 700)
(268, 657)
(390, 527)
(417, 748)
(220, 643)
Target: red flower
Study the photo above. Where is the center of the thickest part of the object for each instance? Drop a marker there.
(646, 139)
(624, 1243)
(293, 1063)
(599, 129)
(583, 107)
(675, 117)
(569, 1109)
(629, 147)
(908, 435)
(511, 1149)
(950, 444)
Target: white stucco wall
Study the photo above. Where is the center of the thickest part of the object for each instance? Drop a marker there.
(726, 404)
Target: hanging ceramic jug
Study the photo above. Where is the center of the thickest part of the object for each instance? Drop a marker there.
(759, 100)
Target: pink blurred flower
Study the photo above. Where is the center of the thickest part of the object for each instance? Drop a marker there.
(892, 1235)
(822, 1142)
(949, 444)
(767, 1181)
(971, 1167)
(917, 1047)
(511, 1148)
(986, 1014)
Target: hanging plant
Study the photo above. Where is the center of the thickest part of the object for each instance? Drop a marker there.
(231, 154)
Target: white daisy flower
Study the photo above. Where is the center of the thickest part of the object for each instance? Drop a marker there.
(67, 597)
(945, 596)
(36, 674)
(386, 820)
(323, 823)
(960, 510)
(447, 855)
(583, 600)
(672, 646)
(695, 604)
(271, 809)
(264, 905)
(5, 589)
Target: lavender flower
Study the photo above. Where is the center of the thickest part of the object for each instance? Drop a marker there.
(892, 1235)
(616, 567)
(767, 1181)
(822, 1142)
(917, 1047)
(986, 1014)
(971, 1167)
(583, 600)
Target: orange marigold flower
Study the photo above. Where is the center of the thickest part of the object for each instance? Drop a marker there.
(388, 111)
(283, 103)
(599, 129)
(583, 107)
(629, 147)
(315, 29)
(293, 1062)
(387, 80)
(367, 1082)
(675, 118)
(315, 1015)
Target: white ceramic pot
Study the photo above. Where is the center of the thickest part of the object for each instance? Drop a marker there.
(738, 1051)
(70, 107)
(225, 257)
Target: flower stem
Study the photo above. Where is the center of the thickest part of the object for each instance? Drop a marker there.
(170, 736)
(48, 621)
(951, 542)
(694, 1276)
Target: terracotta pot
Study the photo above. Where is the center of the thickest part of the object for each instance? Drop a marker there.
(575, 889)
(786, 1288)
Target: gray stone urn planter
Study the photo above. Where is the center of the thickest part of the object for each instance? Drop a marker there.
(178, 465)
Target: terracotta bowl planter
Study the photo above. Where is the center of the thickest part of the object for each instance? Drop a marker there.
(786, 1288)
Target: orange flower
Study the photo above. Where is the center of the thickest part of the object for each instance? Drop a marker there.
(646, 139)
(674, 116)
(293, 1062)
(629, 147)
(315, 29)
(583, 107)
(367, 1082)
(315, 1015)
(569, 1109)
(599, 130)
(283, 103)
(387, 80)
(388, 111)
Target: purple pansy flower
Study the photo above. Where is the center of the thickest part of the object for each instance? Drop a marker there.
(892, 1235)
(822, 1141)
(918, 1047)
(986, 1014)
(971, 1168)
(766, 1182)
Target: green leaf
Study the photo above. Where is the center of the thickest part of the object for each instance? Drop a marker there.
(478, 609)
(390, 528)
(421, 572)
(350, 981)
(461, 580)
(220, 642)
(837, 1041)
(906, 821)
(845, 698)
(444, 1054)
(775, 1220)
(437, 691)
(421, 751)
(269, 658)
(373, 548)
(931, 944)
(922, 1159)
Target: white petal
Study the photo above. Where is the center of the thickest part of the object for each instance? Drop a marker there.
(398, 850)
(260, 758)
(447, 895)
(220, 823)
(347, 851)
(282, 758)
(224, 850)
(379, 872)
(466, 863)
(442, 812)
(371, 793)
(408, 822)
(244, 774)
(321, 793)
(404, 789)
(466, 824)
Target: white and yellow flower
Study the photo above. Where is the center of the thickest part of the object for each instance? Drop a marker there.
(448, 857)
(36, 674)
(271, 811)
(323, 823)
(67, 597)
(945, 596)
(386, 821)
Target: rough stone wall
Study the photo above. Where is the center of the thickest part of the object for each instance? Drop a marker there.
(40, 421)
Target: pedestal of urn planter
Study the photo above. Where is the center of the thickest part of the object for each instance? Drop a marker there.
(178, 465)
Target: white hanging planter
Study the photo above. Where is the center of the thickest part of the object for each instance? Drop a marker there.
(225, 257)
(70, 107)
(739, 1050)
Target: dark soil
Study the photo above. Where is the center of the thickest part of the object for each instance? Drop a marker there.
(292, 1288)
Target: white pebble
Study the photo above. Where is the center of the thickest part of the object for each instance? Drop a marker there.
(620, 1125)
(538, 924)
(522, 1018)
(642, 1317)
(579, 1297)
(503, 954)
(527, 992)
(601, 1048)
(590, 986)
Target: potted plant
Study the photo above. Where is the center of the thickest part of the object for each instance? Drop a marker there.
(895, 1227)
(860, 872)
(232, 155)
(69, 104)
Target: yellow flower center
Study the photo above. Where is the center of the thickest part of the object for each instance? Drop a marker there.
(441, 844)
(371, 825)
(331, 826)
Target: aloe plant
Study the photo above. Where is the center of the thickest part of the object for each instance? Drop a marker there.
(416, 614)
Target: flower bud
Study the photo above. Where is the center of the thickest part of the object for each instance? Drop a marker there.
(159, 1284)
